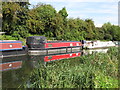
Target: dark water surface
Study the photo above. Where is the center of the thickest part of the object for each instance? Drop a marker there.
(16, 70)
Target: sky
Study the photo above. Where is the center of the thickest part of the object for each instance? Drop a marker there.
(100, 11)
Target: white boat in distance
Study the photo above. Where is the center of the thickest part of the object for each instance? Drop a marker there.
(98, 44)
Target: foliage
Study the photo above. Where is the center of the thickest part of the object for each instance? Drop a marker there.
(63, 13)
(19, 21)
(14, 18)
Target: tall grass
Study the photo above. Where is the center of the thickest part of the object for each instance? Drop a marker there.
(98, 70)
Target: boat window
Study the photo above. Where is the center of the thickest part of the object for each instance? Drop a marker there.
(49, 45)
(50, 57)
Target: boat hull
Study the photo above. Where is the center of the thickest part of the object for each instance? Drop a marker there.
(99, 44)
(12, 53)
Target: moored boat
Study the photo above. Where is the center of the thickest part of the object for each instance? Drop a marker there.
(40, 42)
(98, 44)
(12, 48)
(10, 45)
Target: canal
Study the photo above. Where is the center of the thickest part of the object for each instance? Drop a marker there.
(76, 69)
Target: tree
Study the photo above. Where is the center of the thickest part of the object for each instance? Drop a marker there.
(108, 37)
(40, 20)
(43, 19)
(115, 32)
(63, 12)
(90, 29)
(14, 14)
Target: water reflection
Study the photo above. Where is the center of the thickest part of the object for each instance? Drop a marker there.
(16, 70)
(91, 51)
(13, 77)
(10, 65)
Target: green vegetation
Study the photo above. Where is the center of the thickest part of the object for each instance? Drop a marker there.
(91, 71)
(98, 70)
(19, 21)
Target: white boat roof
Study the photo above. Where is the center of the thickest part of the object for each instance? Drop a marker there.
(2, 33)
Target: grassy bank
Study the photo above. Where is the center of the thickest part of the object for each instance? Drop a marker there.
(10, 37)
(98, 70)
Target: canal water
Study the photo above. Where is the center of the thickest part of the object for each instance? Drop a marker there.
(17, 70)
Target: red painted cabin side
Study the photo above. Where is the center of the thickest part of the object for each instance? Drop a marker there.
(10, 45)
(62, 44)
(40, 42)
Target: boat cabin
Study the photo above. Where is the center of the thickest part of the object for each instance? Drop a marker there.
(36, 41)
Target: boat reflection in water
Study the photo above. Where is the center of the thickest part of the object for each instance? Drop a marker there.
(63, 56)
(91, 51)
(10, 65)
(16, 70)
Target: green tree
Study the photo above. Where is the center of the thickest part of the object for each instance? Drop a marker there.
(43, 19)
(14, 16)
(90, 29)
(40, 21)
(115, 32)
(108, 37)
(63, 12)
(107, 28)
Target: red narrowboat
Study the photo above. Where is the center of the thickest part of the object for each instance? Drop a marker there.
(40, 42)
(10, 45)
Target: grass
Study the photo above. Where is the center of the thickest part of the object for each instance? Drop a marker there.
(98, 70)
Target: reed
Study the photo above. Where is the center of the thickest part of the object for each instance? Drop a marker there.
(98, 70)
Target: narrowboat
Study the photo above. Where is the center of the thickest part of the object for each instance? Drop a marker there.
(40, 42)
(12, 48)
(10, 45)
(98, 44)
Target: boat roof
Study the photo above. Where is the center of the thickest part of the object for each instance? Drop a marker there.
(10, 41)
(2, 33)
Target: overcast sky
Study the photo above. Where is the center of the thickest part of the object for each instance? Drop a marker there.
(100, 11)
